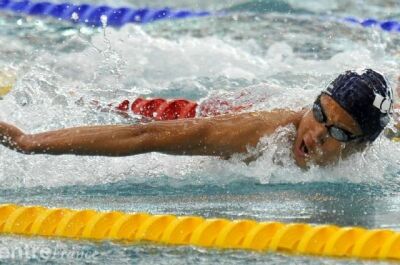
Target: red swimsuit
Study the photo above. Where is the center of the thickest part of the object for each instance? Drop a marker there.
(162, 109)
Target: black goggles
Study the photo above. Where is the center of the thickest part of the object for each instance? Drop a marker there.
(335, 132)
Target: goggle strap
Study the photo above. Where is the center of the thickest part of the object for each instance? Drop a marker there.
(327, 91)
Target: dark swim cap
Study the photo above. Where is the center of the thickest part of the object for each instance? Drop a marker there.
(366, 97)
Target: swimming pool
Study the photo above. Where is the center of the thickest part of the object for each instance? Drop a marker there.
(288, 57)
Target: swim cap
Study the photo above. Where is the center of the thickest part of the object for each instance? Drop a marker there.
(366, 97)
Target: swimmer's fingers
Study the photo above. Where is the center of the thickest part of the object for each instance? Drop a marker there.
(10, 135)
(8, 129)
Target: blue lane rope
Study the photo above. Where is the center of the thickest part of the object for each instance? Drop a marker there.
(117, 17)
(386, 25)
(92, 15)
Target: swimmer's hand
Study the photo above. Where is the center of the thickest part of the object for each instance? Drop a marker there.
(11, 137)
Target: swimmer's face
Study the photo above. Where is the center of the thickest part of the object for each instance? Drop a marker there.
(313, 142)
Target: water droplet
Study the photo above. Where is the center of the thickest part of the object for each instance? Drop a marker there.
(75, 16)
(104, 20)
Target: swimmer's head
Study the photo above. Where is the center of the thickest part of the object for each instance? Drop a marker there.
(366, 97)
(353, 110)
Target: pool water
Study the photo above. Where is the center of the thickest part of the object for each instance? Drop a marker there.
(286, 51)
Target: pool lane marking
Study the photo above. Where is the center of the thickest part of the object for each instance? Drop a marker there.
(218, 233)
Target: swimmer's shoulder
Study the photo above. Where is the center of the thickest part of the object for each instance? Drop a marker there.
(281, 116)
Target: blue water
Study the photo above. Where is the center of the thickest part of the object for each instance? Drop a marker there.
(285, 50)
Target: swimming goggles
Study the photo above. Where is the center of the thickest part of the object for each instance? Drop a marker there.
(335, 132)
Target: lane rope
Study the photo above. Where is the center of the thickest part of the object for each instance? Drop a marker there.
(96, 15)
(295, 238)
(99, 15)
(7, 82)
(385, 25)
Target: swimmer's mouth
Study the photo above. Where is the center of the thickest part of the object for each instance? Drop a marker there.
(303, 148)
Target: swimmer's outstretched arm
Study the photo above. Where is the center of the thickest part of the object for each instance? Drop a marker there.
(216, 136)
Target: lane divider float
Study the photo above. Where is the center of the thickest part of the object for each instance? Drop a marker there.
(93, 15)
(385, 25)
(7, 81)
(295, 238)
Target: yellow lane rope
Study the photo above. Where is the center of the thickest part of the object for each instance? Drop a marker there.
(296, 238)
(7, 81)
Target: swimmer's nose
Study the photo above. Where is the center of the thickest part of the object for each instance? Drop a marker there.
(319, 134)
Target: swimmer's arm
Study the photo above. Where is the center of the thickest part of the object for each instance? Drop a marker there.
(217, 136)
(181, 137)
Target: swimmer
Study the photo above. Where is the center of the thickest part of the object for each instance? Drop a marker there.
(350, 113)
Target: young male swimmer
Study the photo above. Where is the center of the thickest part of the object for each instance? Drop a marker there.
(351, 112)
